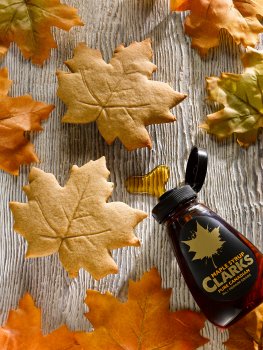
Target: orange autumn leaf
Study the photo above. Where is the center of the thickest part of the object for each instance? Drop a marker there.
(240, 18)
(247, 334)
(17, 116)
(28, 23)
(144, 321)
(22, 331)
(5, 83)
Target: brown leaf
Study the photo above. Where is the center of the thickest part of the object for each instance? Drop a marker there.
(76, 221)
(22, 331)
(28, 23)
(18, 115)
(241, 95)
(241, 19)
(247, 334)
(118, 96)
(143, 322)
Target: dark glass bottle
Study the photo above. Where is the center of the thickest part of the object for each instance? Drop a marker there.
(223, 270)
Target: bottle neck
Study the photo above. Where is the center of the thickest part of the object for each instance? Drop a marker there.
(181, 209)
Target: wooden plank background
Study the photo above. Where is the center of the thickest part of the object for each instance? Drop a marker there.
(233, 187)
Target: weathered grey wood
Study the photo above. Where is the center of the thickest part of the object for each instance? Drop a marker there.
(233, 187)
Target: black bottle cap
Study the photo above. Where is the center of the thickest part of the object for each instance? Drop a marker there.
(194, 180)
(196, 168)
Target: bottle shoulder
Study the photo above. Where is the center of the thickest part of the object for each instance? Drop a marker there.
(189, 211)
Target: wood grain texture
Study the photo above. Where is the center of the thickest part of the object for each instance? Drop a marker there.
(233, 187)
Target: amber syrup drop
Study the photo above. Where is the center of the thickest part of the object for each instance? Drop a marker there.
(152, 183)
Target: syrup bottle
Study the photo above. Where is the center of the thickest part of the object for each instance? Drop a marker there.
(223, 270)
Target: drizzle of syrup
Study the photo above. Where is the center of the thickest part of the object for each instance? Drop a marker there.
(152, 183)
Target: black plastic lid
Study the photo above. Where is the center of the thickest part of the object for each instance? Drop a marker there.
(196, 168)
(194, 180)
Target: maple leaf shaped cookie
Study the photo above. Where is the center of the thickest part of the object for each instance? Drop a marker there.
(144, 321)
(18, 115)
(241, 95)
(119, 96)
(241, 19)
(28, 24)
(76, 221)
(22, 331)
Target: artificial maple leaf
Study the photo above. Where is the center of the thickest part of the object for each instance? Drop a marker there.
(241, 19)
(119, 96)
(76, 221)
(5, 83)
(143, 322)
(22, 331)
(18, 115)
(28, 23)
(241, 94)
(205, 243)
(247, 334)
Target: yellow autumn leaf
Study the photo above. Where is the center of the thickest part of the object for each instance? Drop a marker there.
(241, 95)
(28, 23)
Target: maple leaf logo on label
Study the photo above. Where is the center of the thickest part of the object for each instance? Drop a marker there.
(206, 243)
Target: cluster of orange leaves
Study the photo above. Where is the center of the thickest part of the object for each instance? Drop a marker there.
(239, 18)
(144, 321)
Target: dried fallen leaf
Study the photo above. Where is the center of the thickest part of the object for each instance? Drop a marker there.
(76, 221)
(28, 23)
(143, 322)
(119, 96)
(241, 19)
(247, 334)
(241, 94)
(18, 115)
(22, 331)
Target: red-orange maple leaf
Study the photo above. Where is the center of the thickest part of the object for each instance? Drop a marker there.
(240, 18)
(18, 115)
(143, 322)
(22, 331)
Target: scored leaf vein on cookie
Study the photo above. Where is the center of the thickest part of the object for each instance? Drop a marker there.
(119, 96)
(76, 220)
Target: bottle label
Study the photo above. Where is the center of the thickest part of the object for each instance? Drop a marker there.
(221, 264)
